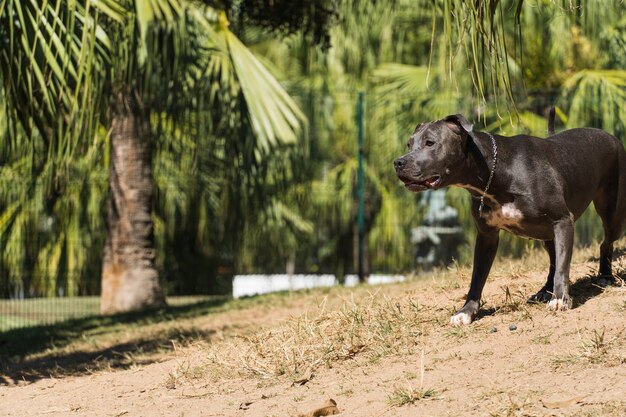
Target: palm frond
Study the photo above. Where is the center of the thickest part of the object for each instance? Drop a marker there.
(274, 116)
(597, 99)
(401, 79)
(51, 65)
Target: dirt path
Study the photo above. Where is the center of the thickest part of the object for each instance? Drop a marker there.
(387, 354)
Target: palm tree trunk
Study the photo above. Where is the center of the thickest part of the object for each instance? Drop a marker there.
(130, 280)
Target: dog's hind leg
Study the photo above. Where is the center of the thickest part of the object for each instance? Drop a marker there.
(545, 294)
(605, 209)
(610, 204)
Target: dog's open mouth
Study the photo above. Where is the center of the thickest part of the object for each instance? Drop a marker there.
(429, 183)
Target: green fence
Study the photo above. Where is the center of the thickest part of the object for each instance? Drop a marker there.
(46, 311)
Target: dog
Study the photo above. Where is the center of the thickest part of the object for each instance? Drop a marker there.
(533, 187)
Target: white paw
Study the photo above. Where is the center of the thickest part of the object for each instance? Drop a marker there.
(460, 319)
(560, 304)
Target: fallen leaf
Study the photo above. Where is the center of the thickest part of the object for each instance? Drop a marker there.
(563, 404)
(309, 376)
(352, 351)
(245, 405)
(329, 409)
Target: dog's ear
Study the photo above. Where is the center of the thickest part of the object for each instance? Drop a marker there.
(417, 127)
(458, 124)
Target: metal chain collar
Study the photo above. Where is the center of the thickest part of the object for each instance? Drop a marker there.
(493, 170)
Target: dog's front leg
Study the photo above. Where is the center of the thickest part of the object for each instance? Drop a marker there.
(484, 253)
(563, 245)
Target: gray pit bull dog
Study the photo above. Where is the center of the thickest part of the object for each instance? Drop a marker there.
(532, 187)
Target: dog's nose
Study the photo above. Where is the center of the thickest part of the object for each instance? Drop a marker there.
(399, 163)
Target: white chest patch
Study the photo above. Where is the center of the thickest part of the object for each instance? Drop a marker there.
(505, 216)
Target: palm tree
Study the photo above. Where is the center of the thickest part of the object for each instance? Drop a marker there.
(174, 71)
(135, 67)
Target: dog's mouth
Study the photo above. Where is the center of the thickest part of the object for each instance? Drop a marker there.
(427, 184)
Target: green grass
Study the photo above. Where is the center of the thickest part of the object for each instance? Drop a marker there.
(81, 341)
(403, 396)
(20, 342)
(40, 311)
(44, 311)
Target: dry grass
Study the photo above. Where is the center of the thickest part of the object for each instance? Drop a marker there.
(511, 408)
(373, 326)
(409, 395)
(349, 329)
(599, 347)
(365, 347)
(595, 347)
(612, 408)
(514, 301)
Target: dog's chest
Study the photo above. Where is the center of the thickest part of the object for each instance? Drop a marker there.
(506, 216)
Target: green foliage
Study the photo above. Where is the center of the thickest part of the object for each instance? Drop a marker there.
(412, 72)
(597, 98)
(242, 182)
(311, 18)
(51, 228)
(52, 56)
(203, 90)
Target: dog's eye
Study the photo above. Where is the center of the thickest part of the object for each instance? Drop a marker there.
(429, 143)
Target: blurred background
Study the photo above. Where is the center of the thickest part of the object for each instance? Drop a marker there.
(255, 110)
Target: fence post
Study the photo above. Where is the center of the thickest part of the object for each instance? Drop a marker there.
(360, 191)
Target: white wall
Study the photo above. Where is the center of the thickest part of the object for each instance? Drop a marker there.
(261, 284)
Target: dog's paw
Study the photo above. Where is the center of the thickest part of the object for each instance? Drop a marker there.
(560, 304)
(461, 319)
(606, 280)
(541, 297)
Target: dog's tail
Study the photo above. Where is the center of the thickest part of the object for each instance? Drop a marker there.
(551, 121)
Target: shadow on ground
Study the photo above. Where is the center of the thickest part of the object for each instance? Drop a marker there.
(18, 344)
(485, 312)
(584, 289)
(588, 287)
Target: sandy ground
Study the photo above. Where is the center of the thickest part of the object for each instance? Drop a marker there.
(566, 364)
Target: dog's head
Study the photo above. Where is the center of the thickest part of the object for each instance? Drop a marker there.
(435, 151)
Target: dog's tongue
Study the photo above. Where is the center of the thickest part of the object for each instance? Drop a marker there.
(431, 181)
